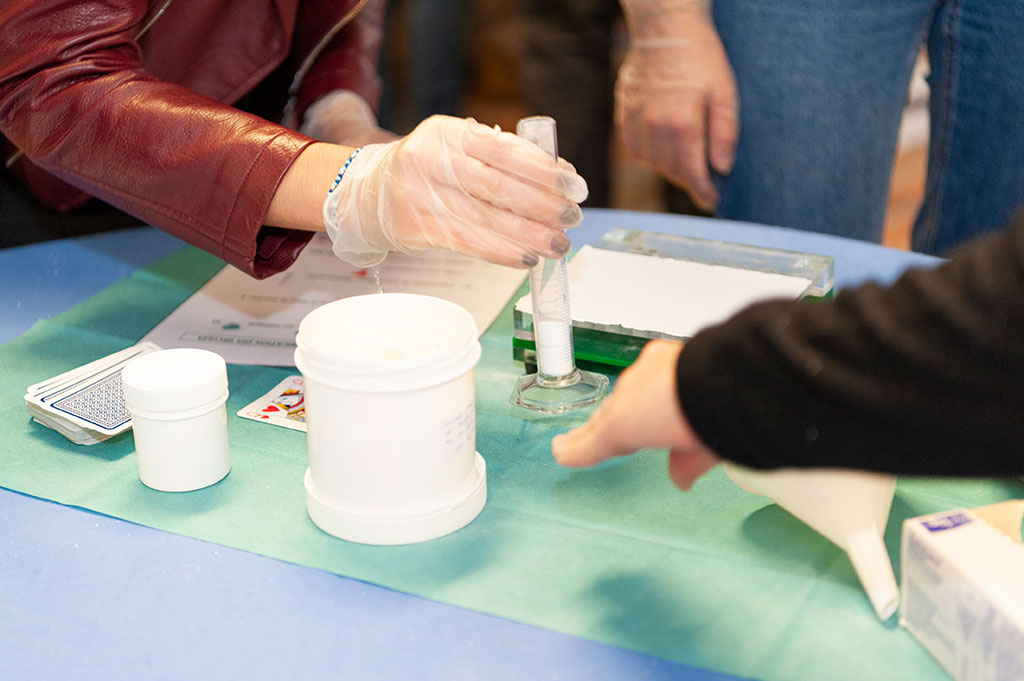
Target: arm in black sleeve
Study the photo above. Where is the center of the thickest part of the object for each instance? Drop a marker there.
(924, 377)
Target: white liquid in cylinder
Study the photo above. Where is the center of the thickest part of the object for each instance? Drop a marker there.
(554, 347)
(552, 321)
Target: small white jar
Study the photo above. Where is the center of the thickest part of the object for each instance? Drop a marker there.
(176, 399)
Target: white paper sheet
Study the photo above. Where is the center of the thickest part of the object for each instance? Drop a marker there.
(673, 297)
(249, 321)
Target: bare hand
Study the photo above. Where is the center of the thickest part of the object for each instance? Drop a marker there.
(642, 411)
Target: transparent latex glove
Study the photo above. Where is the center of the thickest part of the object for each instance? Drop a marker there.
(454, 183)
(676, 105)
(642, 411)
(343, 117)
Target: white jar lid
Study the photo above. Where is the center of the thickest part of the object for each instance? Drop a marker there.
(173, 380)
(364, 340)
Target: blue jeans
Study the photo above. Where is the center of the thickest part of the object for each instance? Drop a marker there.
(822, 85)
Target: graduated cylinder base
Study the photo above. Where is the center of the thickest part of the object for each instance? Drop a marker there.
(389, 530)
(581, 389)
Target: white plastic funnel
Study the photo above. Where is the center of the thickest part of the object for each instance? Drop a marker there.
(850, 508)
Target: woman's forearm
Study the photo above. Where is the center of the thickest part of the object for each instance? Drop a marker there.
(298, 201)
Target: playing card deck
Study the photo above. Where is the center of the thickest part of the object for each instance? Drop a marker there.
(86, 404)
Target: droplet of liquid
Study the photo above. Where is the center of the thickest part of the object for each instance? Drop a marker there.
(376, 278)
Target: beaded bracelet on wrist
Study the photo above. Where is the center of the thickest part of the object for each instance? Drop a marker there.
(341, 173)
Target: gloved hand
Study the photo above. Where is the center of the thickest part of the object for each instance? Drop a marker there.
(343, 117)
(676, 104)
(454, 183)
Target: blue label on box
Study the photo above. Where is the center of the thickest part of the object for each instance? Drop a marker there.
(947, 522)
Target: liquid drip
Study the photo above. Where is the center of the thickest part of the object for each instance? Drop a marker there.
(376, 278)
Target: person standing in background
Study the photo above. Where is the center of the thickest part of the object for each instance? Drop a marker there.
(568, 74)
(433, 78)
(573, 52)
(786, 112)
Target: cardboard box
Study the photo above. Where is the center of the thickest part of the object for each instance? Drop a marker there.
(963, 590)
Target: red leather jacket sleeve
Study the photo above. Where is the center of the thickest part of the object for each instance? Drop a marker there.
(349, 62)
(75, 99)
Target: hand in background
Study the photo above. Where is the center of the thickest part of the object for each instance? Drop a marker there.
(343, 117)
(642, 411)
(676, 105)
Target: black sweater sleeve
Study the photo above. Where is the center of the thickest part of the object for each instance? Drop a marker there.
(923, 377)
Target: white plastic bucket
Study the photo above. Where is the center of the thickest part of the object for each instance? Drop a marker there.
(391, 418)
(179, 422)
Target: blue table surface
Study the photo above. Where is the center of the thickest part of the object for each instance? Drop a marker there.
(87, 596)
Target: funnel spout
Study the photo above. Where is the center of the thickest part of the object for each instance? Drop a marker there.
(874, 569)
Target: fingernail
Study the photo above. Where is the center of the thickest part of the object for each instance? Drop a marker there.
(722, 162)
(575, 187)
(529, 259)
(571, 216)
(560, 244)
(706, 196)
